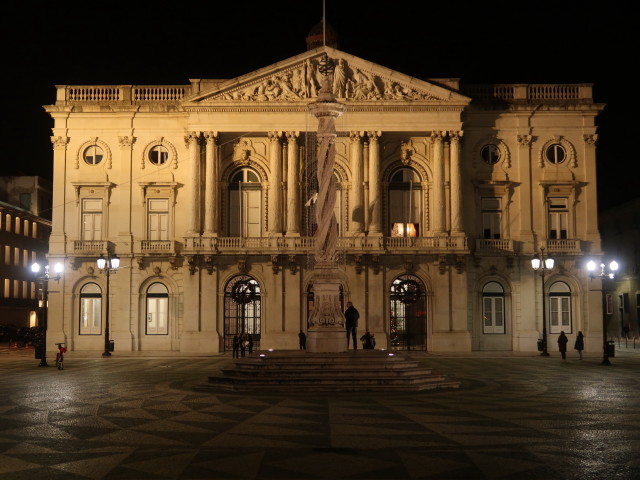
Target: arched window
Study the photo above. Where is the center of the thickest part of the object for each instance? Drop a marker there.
(405, 203)
(408, 320)
(90, 310)
(245, 204)
(559, 308)
(157, 310)
(493, 308)
(242, 310)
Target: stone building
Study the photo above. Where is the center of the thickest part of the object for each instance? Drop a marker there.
(205, 192)
(25, 205)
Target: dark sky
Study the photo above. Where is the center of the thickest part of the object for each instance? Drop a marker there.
(107, 43)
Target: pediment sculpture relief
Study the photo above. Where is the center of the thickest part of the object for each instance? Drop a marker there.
(303, 82)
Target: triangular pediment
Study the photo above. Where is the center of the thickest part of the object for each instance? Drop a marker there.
(298, 79)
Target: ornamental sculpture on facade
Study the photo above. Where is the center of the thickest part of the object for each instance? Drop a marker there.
(303, 82)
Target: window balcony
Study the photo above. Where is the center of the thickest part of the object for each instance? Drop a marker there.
(305, 245)
(563, 245)
(158, 247)
(89, 247)
(494, 245)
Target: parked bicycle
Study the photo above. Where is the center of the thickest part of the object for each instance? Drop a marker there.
(60, 356)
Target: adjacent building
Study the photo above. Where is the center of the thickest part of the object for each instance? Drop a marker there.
(620, 227)
(205, 192)
(25, 205)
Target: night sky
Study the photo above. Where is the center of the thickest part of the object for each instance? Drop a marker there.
(106, 43)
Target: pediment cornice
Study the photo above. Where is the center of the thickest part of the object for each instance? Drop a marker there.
(294, 82)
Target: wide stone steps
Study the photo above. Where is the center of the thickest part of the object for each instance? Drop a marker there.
(300, 371)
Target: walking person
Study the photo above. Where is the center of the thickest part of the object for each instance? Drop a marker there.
(303, 340)
(351, 316)
(579, 345)
(562, 345)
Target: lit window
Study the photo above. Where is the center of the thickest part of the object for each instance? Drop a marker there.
(91, 310)
(157, 310)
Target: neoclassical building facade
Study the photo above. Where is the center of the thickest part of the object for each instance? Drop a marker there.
(205, 192)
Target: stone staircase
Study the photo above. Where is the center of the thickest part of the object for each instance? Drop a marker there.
(353, 371)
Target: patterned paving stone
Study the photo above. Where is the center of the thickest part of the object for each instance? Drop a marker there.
(514, 417)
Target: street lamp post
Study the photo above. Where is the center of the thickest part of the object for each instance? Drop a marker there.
(541, 263)
(603, 274)
(106, 266)
(44, 309)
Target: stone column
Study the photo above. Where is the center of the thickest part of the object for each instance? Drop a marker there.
(457, 226)
(275, 185)
(591, 205)
(57, 237)
(525, 190)
(326, 331)
(193, 227)
(211, 186)
(357, 208)
(375, 193)
(293, 186)
(438, 184)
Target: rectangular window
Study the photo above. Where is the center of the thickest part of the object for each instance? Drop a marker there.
(559, 314)
(158, 219)
(491, 218)
(92, 219)
(246, 214)
(90, 316)
(558, 218)
(493, 315)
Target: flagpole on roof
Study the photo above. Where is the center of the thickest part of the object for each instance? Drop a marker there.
(324, 24)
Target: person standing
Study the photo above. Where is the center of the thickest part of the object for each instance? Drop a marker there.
(562, 345)
(236, 346)
(303, 340)
(250, 343)
(579, 345)
(351, 316)
(244, 343)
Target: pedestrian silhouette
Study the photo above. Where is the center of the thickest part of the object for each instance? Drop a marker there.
(579, 345)
(562, 345)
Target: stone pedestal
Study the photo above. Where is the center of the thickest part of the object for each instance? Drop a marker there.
(326, 331)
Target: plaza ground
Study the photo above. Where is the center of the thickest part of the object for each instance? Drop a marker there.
(140, 416)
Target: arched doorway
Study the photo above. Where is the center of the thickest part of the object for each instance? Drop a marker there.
(408, 319)
(242, 310)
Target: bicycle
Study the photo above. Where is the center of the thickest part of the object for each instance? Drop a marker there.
(60, 356)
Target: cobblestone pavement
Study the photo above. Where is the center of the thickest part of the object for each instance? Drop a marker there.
(139, 417)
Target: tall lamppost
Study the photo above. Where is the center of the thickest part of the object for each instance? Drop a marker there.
(106, 266)
(541, 263)
(593, 273)
(44, 308)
